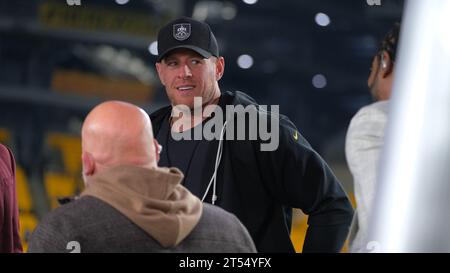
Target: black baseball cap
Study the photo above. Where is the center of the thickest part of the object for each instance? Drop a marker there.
(187, 33)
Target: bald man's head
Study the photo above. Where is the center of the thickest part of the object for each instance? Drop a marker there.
(117, 133)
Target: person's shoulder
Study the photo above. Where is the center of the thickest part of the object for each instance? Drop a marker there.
(70, 219)
(220, 216)
(380, 108)
(211, 210)
(160, 112)
(236, 98)
(54, 223)
(224, 227)
(58, 227)
(381, 105)
(375, 113)
(370, 120)
(240, 98)
(72, 211)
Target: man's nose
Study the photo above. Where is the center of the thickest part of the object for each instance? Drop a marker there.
(185, 72)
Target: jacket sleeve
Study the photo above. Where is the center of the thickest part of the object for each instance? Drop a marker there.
(300, 178)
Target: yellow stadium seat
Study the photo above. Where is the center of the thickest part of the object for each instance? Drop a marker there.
(352, 198)
(28, 223)
(59, 185)
(70, 147)
(4, 135)
(300, 226)
(298, 231)
(23, 192)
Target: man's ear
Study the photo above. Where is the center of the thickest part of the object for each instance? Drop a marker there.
(220, 67)
(88, 164)
(158, 69)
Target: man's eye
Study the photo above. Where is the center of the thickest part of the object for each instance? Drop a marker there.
(195, 61)
(171, 63)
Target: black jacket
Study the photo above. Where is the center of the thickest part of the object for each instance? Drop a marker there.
(261, 187)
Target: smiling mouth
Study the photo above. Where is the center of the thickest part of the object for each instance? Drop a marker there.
(185, 88)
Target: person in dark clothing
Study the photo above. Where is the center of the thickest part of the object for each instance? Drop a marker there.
(259, 184)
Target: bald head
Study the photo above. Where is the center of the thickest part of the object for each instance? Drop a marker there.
(117, 133)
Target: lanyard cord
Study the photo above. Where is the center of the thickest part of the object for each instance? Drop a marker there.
(216, 167)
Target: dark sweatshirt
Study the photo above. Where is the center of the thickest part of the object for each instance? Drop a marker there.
(262, 187)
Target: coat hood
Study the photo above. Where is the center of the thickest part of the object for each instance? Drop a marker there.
(153, 199)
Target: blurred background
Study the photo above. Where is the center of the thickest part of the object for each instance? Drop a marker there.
(59, 58)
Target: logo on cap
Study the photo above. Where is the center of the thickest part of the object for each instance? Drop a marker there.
(181, 31)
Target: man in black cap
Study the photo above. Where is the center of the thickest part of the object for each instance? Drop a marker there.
(260, 187)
